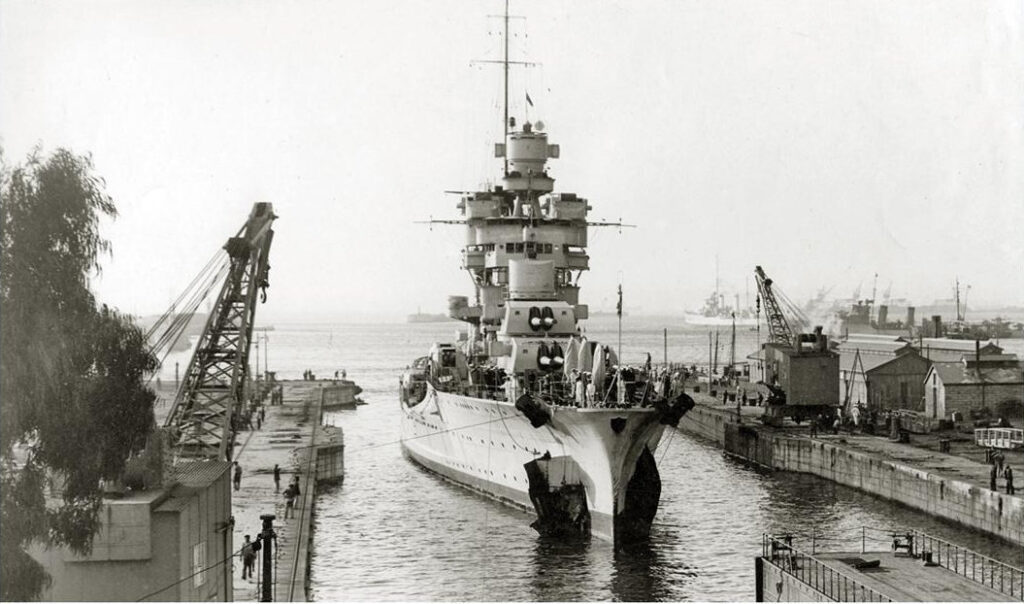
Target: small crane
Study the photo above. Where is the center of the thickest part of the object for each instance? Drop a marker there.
(776, 308)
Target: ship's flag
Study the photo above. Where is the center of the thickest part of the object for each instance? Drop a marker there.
(529, 101)
(618, 307)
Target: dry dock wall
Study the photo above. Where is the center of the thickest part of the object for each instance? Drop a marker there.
(970, 505)
(955, 500)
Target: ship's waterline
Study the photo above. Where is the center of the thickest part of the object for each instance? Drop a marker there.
(490, 447)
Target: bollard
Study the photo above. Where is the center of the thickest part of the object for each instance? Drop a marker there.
(268, 537)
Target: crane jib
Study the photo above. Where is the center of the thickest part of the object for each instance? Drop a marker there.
(204, 416)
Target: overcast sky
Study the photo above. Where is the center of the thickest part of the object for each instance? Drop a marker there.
(825, 140)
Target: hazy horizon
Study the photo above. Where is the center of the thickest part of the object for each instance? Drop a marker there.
(827, 142)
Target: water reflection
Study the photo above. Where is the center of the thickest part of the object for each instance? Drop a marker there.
(637, 574)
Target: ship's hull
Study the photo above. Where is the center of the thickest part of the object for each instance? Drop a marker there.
(589, 463)
(696, 319)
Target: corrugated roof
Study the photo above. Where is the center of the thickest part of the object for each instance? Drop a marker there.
(873, 336)
(870, 361)
(199, 473)
(957, 373)
(881, 346)
(993, 358)
(179, 499)
(960, 345)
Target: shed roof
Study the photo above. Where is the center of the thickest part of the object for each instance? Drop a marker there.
(959, 345)
(957, 373)
(994, 359)
(873, 346)
(871, 361)
(884, 337)
(199, 473)
(180, 498)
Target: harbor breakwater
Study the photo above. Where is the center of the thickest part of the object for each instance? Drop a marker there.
(926, 490)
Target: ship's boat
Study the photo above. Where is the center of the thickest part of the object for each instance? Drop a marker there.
(522, 407)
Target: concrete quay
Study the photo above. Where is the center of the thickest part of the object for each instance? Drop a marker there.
(292, 437)
(948, 486)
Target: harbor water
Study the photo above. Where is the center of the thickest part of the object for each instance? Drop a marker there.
(393, 531)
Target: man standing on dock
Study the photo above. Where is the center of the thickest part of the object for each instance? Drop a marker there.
(1008, 475)
(277, 478)
(248, 558)
(238, 476)
(289, 501)
(992, 477)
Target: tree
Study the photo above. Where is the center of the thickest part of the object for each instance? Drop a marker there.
(72, 375)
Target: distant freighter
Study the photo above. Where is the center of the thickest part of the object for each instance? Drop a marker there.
(523, 407)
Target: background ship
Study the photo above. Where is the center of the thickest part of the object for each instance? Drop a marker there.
(424, 317)
(717, 312)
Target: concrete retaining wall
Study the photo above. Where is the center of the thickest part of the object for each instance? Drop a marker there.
(970, 505)
(705, 423)
(955, 500)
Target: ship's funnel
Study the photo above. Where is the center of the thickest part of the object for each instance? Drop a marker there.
(531, 279)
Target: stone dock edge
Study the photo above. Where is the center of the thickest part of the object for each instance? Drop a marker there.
(945, 497)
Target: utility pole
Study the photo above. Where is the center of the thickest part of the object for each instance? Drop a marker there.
(714, 363)
(709, 358)
(665, 345)
(268, 536)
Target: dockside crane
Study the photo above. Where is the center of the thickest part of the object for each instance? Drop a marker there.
(779, 331)
(800, 371)
(212, 392)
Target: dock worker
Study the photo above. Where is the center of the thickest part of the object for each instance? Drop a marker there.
(1008, 475)
(238, 476)
(289, 501)
(992, 477)
(248, 558)
(277, 478)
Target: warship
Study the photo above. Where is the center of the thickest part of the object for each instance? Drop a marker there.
(522, 407)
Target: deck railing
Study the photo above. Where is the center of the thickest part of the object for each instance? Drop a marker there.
(1001, 577)
(818, 575)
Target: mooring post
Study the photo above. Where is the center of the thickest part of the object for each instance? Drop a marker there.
(268, 536)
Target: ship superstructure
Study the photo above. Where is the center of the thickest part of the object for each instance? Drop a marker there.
(523, 407)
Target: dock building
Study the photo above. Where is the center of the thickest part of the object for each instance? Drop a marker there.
(882, 372)
(172, 542)
(987, 385)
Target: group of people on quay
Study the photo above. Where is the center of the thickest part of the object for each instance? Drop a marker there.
(1000, 468)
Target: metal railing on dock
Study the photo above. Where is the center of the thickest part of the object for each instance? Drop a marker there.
(1001, 577)
(1000, 438)
(818, 575)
